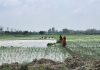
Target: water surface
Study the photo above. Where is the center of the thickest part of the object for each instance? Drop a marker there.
(26, 43)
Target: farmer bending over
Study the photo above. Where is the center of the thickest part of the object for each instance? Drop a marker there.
(64, 41)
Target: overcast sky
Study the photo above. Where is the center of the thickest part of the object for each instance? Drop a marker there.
(38, 15)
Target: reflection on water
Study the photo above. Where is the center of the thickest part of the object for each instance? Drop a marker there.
(26, 43)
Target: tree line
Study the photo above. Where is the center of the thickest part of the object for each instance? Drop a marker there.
(51, 31)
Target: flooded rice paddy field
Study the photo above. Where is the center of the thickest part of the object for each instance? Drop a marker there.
(23, 51)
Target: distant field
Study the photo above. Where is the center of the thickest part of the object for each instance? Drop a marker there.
(35, 37)
(18, 37)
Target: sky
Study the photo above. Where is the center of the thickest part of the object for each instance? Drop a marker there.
(36, 15)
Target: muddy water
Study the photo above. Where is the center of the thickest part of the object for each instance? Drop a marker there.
(26, 43)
